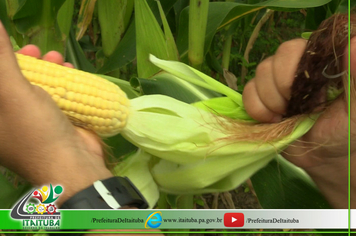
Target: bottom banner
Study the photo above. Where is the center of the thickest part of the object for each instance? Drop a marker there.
(54, 219)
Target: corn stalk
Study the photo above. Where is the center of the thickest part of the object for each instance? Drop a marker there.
(198, 18)
(252, 40)
(226, 50)
(11, 8)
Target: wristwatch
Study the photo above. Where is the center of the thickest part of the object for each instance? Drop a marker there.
(113, 193)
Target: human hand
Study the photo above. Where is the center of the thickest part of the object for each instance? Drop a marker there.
(323, 151)
(37, 141)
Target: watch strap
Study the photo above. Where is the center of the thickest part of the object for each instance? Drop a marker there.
(113, 193)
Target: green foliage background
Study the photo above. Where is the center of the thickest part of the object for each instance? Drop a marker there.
(54, 25)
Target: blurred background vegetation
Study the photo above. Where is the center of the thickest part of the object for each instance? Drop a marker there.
(227, 40)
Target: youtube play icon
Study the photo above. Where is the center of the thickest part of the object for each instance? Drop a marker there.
(234, 219)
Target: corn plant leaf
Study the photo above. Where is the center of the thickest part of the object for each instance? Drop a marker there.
(171, 44)
(128, 13)
(12, 7)
(224, 13)
(9, 194)
(218, 11)
(113, 22)
(290, 186)
(314, 17)
(343, 7)
(167, 5)
(124, 85)
(84, 17)
(293, 3)
(333, 5)
(119, 147)
(4, 15)
(213, 62)
(8, 9)
(179, 6)
(31, 10)
(64, 17)
(37, 20)
(149, 40)
(75, 54)
(125, 52)
(281, 5)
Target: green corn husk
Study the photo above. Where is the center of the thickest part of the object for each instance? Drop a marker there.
(139, 163)
(191, 147)
(190, 142)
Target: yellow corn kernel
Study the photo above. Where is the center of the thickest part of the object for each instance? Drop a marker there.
(94, 102)
(60, 91)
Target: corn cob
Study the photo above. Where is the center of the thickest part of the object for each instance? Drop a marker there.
(98, 104)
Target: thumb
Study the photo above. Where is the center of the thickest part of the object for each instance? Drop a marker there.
(11, 77)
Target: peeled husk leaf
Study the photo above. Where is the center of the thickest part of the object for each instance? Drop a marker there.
(139, 163)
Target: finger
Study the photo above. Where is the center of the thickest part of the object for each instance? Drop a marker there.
(255, 107)
(67, 64)
(12, 82)
(285, 64)
(267, 89)
(54, 57)
(30, 50)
